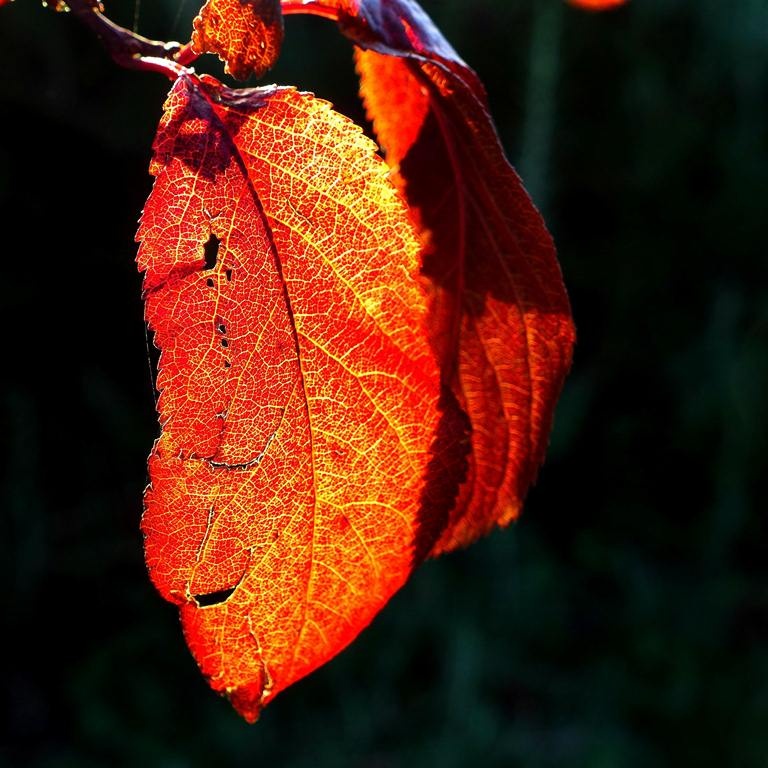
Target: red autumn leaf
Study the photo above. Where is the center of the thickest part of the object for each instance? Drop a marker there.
(500, 321)
(596, 5)
(246, 34)
(305, 447)
(313, 439)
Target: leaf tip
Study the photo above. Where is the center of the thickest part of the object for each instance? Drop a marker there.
(248, 701)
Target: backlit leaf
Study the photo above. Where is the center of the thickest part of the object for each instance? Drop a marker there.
(500, 321)
(246, 34)
(306, 450)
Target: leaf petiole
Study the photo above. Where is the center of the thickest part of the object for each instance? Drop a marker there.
(129, 49)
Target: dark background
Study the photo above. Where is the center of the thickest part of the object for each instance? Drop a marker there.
(623, 621)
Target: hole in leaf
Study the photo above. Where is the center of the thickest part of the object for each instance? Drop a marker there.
(228, 273)
(211, 251)
(221, 328)
(209, 282)
(214, 598)
(224, 343)
(227, 364)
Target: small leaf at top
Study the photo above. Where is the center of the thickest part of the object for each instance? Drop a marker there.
(245, 34)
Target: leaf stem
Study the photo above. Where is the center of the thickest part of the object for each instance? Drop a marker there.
(129, 49)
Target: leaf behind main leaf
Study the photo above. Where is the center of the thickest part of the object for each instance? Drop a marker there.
(500, 321)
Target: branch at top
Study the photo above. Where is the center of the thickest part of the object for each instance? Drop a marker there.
(311, 7)
(129, 49)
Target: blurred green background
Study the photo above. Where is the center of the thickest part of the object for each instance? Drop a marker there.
(623, 621)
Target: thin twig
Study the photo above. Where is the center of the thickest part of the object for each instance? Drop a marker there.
(129, 49)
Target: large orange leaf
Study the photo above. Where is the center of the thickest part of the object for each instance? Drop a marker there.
(500, 321)
(306, 451)
(246, 34)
